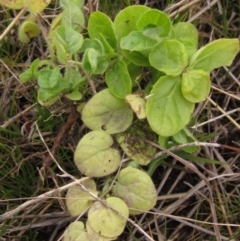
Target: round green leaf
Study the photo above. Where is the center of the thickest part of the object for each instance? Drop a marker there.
(105, 221)
(195, 85)
(93, 236)
(133, 144)
(107, 112)
(155, 18)
(27, 30)
(169, 56)
(118, 79)
(126, 19)
(78, 200)
(94, 156)
(167, 109)
(136, 188)
(75, 232)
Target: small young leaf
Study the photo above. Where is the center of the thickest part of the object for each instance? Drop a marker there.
(94, 62)
(100, 23)
(187, 34)
(95, 59)
(31, 73)
(105, 221)
(75, 95)
(69, 39)
(136, 188)
(167, 110)
(155, 18)
(51, 94)
(78, 200)
(27, 30)
(137, 104)
(219, 53)
(133, 142)
(109, 51)
(195, 85)
(118, 79)
(169, 56)
(106, 112)
(48, 78)
(74, 77)
(75, 232)
(137, 41)
(46, 97)
(126, 19)
(94, 156)
(185, 136)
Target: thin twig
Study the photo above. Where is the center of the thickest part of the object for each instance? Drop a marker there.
(10, 26)
(203, 10)
(10, 121)
(224, 112)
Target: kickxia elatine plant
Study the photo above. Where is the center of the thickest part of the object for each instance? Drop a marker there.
(127, 110)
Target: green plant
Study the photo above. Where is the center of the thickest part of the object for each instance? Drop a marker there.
(139, 40)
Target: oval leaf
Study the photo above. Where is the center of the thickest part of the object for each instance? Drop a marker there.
(155, 18)
(187, 34)
(107, 112)
(133, 144)
(169, 56)
(118, 79)
(136, 188)
(75, 232)
(70, 39)
(78, 200)
(105, 221)
(100, 23)
(126, 19)
(94, 156)
(219, 53)
(72, 16)
(195, 85)
(167, 110)
(137, 41)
